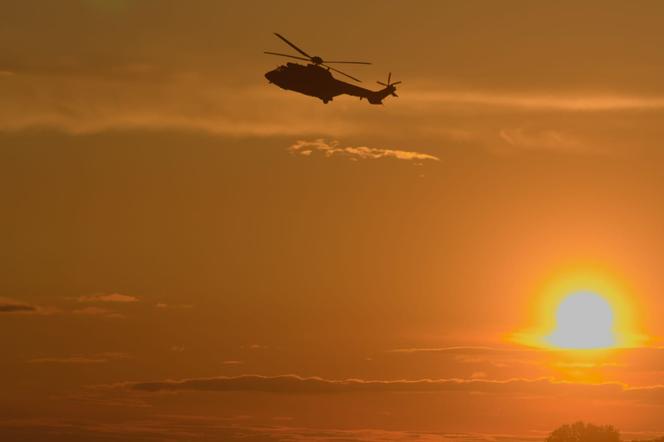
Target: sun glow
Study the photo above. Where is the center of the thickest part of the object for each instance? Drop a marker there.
(582, 310)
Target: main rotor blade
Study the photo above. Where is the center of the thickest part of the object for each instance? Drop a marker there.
(343, 73)
(381, 83)
(292, 45)
(348, 62)
(286, 55)
(396, 82)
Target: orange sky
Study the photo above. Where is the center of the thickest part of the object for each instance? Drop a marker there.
(189, 253)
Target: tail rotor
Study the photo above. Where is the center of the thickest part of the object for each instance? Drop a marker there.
(389, 85)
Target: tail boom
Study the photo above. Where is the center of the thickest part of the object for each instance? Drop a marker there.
(377, 97)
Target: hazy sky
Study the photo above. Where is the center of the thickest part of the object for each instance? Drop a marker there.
(192, 254)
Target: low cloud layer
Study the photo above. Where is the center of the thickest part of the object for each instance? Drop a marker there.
(97, 311)
(112, 297)
(518, 387)
(333, 148)
(460, 349)
(98, 358)
(16, 308)
(13, 306)
(547, 140)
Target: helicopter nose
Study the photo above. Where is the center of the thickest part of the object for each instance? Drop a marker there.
(272, 75)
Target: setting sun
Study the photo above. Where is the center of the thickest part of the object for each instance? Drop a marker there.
(583, 321)
(583, 309)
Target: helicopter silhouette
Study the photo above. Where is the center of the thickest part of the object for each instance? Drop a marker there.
(315, 79)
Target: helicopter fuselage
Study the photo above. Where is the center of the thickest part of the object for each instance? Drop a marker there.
(316, 81)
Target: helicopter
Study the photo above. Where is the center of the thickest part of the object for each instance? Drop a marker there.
(316, 80)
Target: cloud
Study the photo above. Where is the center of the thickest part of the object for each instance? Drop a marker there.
(474, 354)
(551, 140)
(16, 308)
(12, 306)
(332, 148)
(112, 297)
(458, 349)
(97, 311)
(578, 102)
(99, 358)
(293, 384)
(79, 103)
(76, 103)
(162, 305)
(640, 365)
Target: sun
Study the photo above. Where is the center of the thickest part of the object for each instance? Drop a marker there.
(585, 308)
(584, 320)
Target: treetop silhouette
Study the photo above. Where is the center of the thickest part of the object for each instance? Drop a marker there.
(584, 432)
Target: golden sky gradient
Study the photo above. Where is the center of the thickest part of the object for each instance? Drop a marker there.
(192, 254)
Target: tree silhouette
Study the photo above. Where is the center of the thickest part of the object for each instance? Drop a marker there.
(583, 432)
